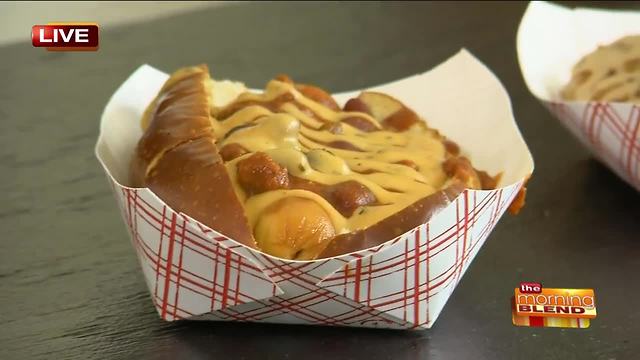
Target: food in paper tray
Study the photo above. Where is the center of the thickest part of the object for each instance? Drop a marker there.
(610, 73)
(291, 173)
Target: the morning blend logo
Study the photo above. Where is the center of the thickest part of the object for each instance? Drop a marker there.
(536, 306)
(66, 36)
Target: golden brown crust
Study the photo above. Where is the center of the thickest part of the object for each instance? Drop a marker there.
(412, 216)
(192, 179)
(179, 113)
(177, 157)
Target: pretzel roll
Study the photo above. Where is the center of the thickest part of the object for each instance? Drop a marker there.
(291, 173)
(177, 157)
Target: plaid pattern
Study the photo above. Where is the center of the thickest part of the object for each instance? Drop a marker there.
(188, 273)
(610, 131)
(196, 273)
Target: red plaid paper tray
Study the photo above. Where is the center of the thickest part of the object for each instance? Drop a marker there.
(194, 272)
(551, 39)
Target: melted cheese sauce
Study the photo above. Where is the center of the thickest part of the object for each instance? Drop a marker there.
(296, 141)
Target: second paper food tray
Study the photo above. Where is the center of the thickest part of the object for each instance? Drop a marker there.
(551, 39)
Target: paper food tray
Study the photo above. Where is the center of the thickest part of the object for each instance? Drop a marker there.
(193, 272)
(551, 39)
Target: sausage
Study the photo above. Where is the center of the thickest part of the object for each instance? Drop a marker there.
(259, 173)
(347, 196)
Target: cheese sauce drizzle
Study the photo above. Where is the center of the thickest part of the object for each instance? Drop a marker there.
(295, 140)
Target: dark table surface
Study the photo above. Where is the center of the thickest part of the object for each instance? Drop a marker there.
(70, 283)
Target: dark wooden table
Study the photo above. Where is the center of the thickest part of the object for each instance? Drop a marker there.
(70, 284)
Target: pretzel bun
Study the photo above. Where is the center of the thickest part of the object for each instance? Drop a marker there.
(177, 156)
(289, 172)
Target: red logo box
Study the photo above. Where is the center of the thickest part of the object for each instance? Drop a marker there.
(66, 36)
(530, 287)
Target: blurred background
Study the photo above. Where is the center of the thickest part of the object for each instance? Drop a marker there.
(16, 18)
